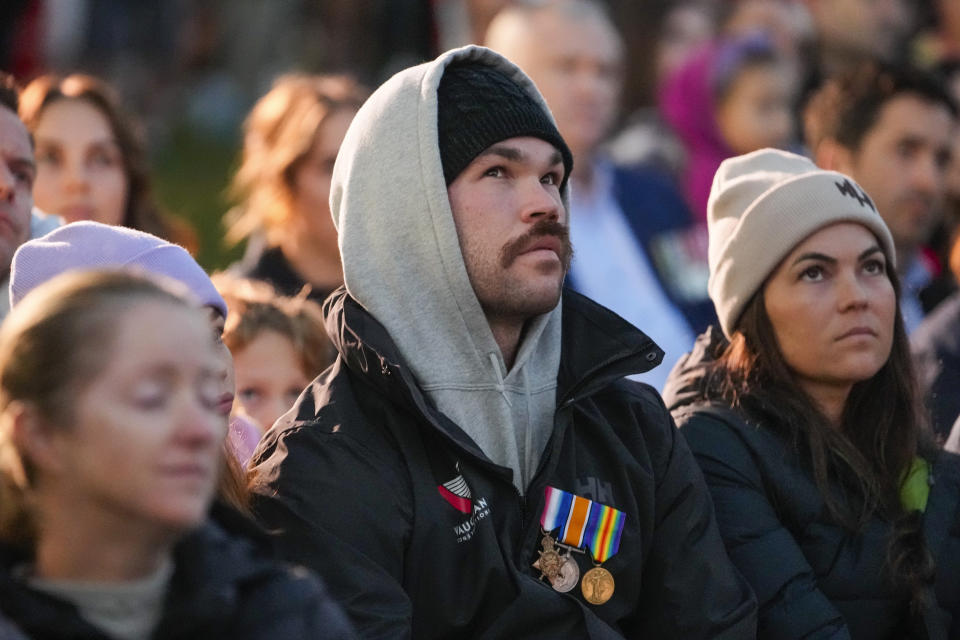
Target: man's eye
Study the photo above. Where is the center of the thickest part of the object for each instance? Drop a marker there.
(494, 172)
(550, 178)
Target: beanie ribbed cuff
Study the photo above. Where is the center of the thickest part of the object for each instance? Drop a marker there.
(479, 105)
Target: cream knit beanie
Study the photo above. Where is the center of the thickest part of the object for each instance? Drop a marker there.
(763, 204)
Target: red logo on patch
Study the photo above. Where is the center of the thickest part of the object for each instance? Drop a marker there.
(457, 493)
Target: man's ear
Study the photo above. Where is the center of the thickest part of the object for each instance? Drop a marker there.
(833, 156)
(34, 437)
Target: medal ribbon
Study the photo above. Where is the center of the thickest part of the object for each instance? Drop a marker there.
(583, 522)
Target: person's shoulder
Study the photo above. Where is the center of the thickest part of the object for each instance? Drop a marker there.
(267, 596)
(715, 428)
(940, 330)
(635, 413)
(338, 420)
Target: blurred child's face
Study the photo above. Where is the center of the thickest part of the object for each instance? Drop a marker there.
(756, 111)
(269, 376)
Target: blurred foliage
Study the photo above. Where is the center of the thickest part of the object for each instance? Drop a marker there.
(191, 174)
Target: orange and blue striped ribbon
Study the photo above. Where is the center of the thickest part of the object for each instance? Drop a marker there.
(583, 522)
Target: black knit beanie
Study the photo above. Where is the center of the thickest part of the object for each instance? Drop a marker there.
(479, 105)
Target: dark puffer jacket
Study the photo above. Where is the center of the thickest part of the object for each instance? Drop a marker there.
(812, 578)
(352, 479)
(223, 587)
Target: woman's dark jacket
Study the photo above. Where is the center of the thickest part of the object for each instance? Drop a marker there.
(812, 578)
(223, 587)
(352, 479)
(270, 265)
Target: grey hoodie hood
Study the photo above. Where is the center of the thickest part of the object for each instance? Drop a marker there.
(402, 262)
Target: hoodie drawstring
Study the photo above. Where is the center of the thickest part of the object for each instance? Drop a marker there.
(500, 388)
(528, 453)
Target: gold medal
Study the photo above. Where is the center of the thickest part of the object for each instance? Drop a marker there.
(597, 585)
(549, 561)
(568, 575)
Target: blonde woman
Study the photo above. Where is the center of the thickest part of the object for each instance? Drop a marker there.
(291, 139)
(110, 439)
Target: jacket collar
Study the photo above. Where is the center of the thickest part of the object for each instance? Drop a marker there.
(597, 348)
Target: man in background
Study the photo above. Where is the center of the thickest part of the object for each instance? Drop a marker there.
(18, 221)
(637, 253)
(890, 129)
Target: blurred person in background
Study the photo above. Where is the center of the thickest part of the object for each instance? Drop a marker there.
(685, 27)
(91, 162)
(891, 128)
(18, 172)
(92, 245)
(109, 452)
(689, 26)
(278, 343)
(833, 500)
(850, 32)
(635, 253)
(731, 97)
(936, 342)
(282, 187)
(936, 351)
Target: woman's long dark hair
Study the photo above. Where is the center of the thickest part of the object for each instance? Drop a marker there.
(858, 468)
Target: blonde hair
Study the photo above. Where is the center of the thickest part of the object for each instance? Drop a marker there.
(51, 346)
(256, 307)
(278, 134)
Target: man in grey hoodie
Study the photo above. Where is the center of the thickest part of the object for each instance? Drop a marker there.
(475, 449)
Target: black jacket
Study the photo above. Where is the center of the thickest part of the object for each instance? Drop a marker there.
(268, 264)
(223, 587)
(812, 578)
(350, 480)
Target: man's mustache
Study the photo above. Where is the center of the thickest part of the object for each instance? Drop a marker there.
(512, 250)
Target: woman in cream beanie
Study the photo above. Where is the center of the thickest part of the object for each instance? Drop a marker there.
(803, 412)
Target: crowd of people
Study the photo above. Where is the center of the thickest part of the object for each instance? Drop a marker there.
(498, 361)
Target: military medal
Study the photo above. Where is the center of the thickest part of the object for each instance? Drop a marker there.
(568, 576)
(549, 561)
(597, 585)
(582, 523)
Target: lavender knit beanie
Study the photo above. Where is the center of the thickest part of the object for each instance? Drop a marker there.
(92, 245)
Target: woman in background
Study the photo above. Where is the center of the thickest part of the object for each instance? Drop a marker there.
(109, 452)
(804, 416)
(91, 164)
(291, 139)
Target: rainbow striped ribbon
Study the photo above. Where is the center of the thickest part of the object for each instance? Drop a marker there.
(583, 522)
